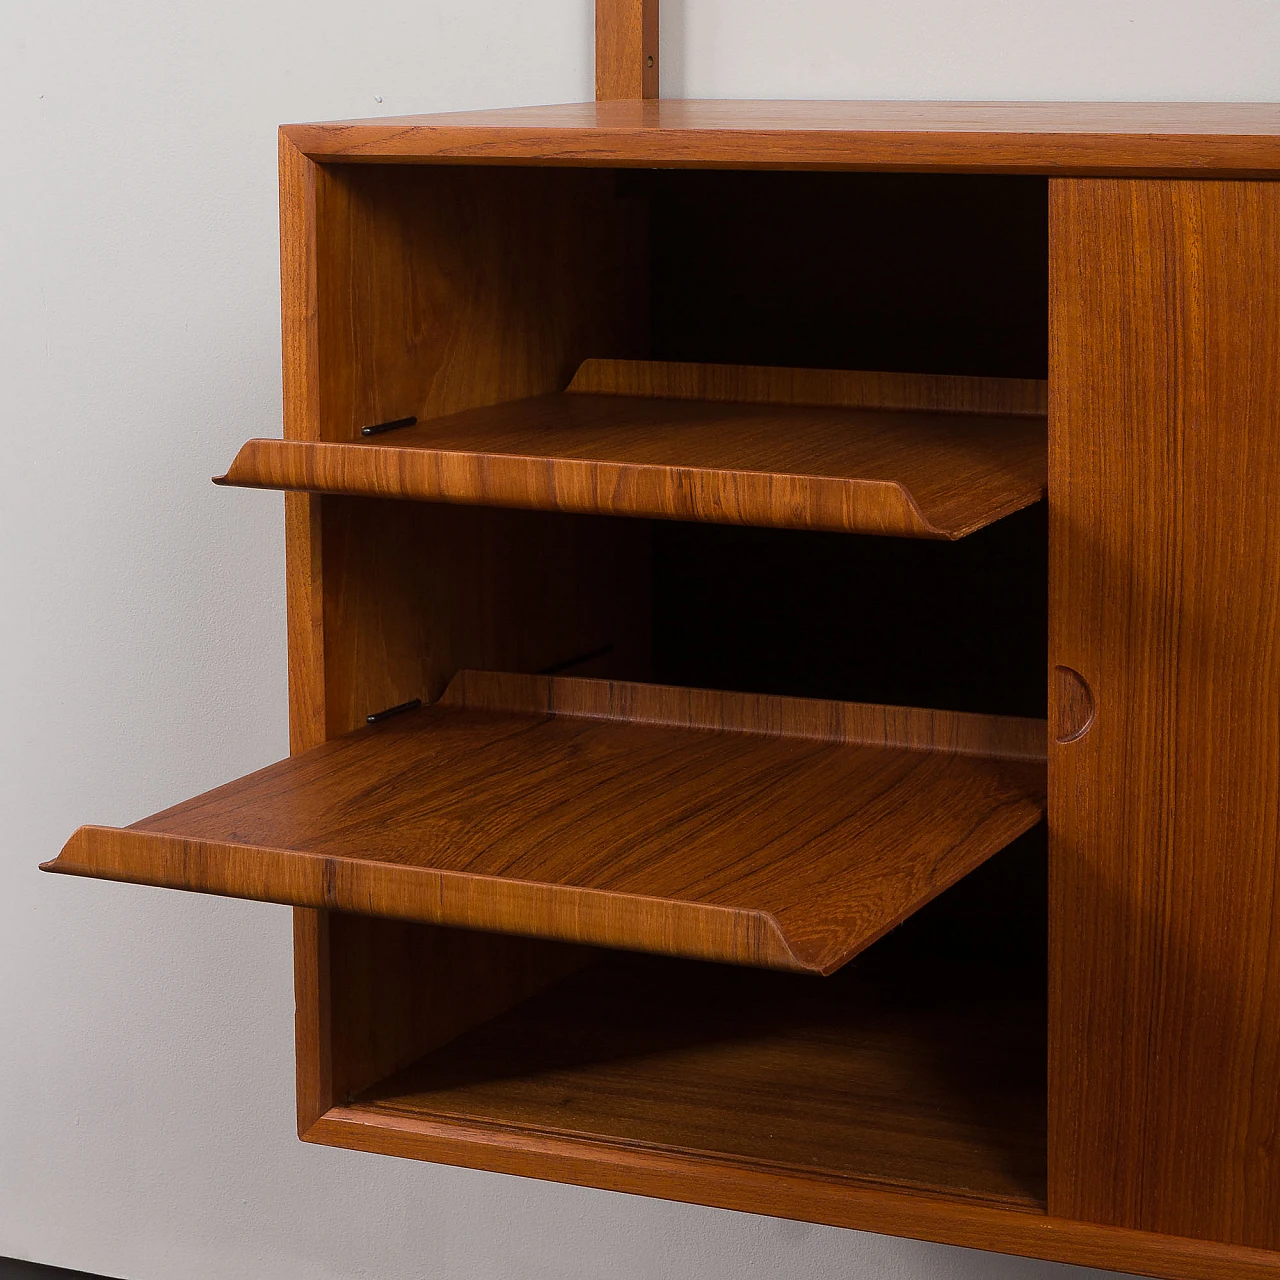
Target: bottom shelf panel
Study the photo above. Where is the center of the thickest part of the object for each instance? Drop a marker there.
(873, 1076)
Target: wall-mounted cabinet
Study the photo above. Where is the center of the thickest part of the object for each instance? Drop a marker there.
(684, 661)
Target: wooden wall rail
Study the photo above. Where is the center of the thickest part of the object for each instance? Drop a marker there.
(626, 49)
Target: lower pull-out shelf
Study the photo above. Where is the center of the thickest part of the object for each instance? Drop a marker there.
(779, 832)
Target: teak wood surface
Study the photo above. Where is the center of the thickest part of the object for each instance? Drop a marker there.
(780, 832)
(626, 49)
(1136, 138)
(830, 388)
(392, 289)
(940, 474)
(440, 289)
(1165, 812)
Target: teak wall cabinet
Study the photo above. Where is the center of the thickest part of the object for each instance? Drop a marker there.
(737, 487)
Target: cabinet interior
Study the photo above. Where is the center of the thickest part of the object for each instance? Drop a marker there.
(920, 1064)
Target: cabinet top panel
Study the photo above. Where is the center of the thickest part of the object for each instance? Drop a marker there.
(1134, 138)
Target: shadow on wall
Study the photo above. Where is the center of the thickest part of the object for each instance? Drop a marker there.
(13, 1269)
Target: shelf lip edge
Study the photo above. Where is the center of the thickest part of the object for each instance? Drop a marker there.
(316, 466)
(791, 386)
(680, 706)
(739, 936)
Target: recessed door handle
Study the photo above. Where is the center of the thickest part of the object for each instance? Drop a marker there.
(1073, 705)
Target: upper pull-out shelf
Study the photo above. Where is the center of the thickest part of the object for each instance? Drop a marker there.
(780, 832)
(900, 454)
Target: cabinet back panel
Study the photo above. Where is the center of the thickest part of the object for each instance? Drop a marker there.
(958, 626)
(916, 273)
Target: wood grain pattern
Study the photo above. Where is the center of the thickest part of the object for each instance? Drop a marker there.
(448, 288)
(413, 591)
(1073, 705)
(399, 990)
(437, 290)
(780, 832)
(300, 349)
(941, 1093)
(626, 49)
(840, 470)
(832, 388)
(1136, 138)
(313, 1029)
(714, 710)
(300, 179)
(417, 591)
(1165, 816)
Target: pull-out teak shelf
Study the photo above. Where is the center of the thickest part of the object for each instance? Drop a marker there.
(766, 831)
(841, 451)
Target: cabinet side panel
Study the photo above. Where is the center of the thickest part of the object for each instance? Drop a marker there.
(399, 990)
(452, 287)
(415, 592)
(300, 180)
(300, 184)
(440, 289)
(1165, 597)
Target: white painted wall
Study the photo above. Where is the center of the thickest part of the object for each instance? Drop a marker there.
(145, 1037)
